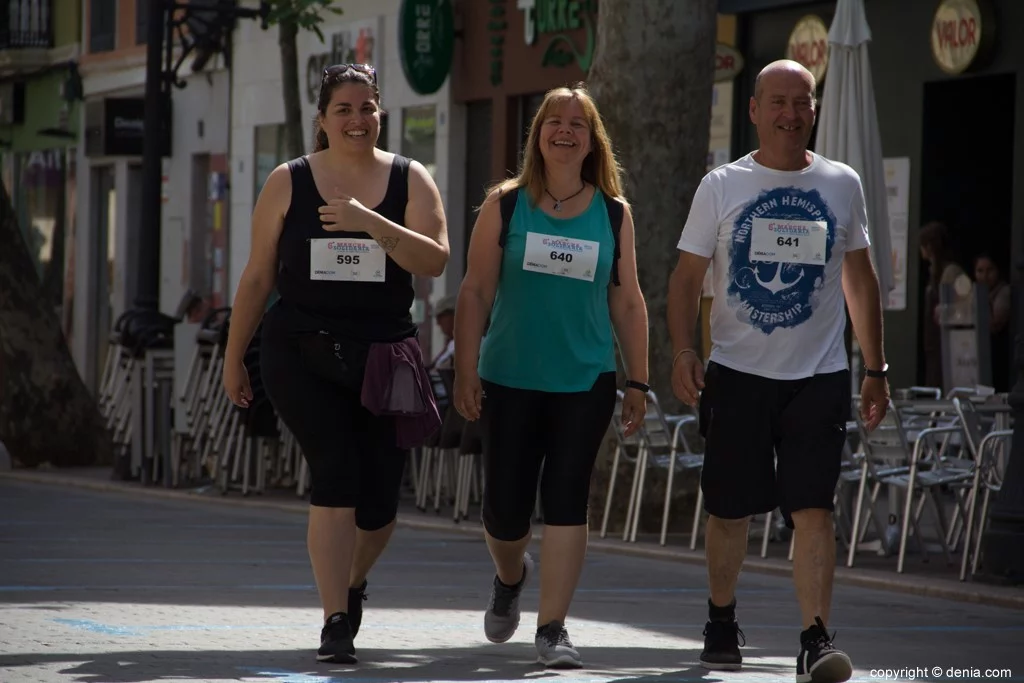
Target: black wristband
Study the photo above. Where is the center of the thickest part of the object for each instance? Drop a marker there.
(877, 374)
(630, 384)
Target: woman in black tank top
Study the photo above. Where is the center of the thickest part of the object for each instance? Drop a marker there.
(341, 233)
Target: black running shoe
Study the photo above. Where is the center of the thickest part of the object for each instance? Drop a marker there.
(819, 660)
(336, 641)
(355, 607)
(722, 646)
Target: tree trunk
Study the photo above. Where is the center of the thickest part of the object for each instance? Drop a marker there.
(652, 78)
(288, 29)
(46, 413)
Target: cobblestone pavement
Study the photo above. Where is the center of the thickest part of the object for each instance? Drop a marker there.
(109, 587)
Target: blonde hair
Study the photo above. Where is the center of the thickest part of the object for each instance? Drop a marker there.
(600, 168)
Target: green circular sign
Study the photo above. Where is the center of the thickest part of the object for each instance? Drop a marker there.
(426, 41)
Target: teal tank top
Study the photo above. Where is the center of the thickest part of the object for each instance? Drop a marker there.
(551, 332)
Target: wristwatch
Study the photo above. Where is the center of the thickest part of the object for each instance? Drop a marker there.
(877, 374)
(630, 384)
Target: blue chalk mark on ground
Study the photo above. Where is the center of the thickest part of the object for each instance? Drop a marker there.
(96, 627)
(292, 677)
(284, 676)
(141, 630)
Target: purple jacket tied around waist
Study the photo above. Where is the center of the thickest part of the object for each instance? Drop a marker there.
(396, 383)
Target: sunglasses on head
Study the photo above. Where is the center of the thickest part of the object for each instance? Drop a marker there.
(342, 69)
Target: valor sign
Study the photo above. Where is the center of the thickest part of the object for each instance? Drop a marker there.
(728, 63)
(957, 34)
(808, 45)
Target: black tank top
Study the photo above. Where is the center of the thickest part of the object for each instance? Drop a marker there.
(370, 311)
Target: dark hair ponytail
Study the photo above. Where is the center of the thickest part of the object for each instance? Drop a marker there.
(320, 141)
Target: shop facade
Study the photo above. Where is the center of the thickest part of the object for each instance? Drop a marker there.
(949, 92)
(109, 178)
(414, 124)
(39, 129)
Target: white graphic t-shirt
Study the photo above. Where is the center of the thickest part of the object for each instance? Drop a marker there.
(777, 240)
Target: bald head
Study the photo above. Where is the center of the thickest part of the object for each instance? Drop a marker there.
(784, 109)
(780, 70)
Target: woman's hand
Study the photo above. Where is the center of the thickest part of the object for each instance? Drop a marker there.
(342, 213)
(469, 395)
(634, 409)
(236, 383)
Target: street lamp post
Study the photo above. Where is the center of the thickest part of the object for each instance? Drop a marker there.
(1003, 557)
(202, 27)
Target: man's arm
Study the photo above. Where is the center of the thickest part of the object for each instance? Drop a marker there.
(684, 288)
(696, 248)
(860, 285)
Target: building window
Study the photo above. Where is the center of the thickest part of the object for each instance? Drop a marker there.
(102, 25)
(528, 106)
(36, 183)
(720, 147)
(419, 135)
(141, 21)
(479, 175)
(271, 151)
(382, 139)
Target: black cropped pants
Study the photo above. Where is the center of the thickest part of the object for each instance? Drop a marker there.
(524, 431)
(351, 453)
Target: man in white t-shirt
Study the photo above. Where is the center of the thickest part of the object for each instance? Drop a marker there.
(787, 231)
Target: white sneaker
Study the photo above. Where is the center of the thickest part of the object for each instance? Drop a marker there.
(502, 616)
(554, 649)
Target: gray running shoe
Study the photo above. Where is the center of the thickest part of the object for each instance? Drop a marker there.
(554, 649)
(502, 617)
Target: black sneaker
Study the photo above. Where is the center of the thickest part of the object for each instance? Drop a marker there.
(336, 641)
(355, 607)
(819, 660)
(722, 646)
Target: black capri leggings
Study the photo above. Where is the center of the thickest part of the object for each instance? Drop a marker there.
(352, 456)
(523, 430)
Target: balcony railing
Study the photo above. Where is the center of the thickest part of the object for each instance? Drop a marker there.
(26, 24)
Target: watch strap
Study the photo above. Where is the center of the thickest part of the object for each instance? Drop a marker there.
(877, 374)
(631, 384)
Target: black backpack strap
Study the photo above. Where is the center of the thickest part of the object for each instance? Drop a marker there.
(616, 211)
(508, 207)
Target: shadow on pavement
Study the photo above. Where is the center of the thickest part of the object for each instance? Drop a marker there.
(504, 662)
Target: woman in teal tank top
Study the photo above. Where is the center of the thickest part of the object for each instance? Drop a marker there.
(552, 264)
(551, 328)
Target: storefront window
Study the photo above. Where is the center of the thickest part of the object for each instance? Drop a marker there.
(720, 148)
(270, 153)
(70, 226)
(382, 139)
(419, 135)
(36, 183)
(141, 21)
(528, 106)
